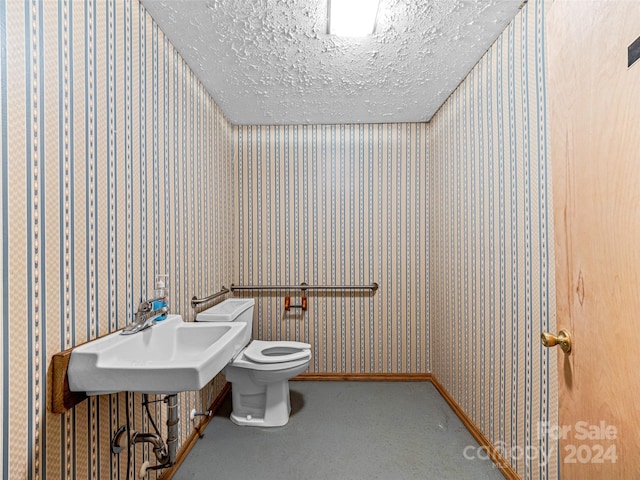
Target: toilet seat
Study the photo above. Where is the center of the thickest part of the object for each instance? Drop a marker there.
(271, 352)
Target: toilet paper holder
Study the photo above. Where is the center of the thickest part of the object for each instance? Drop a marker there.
(288, 306)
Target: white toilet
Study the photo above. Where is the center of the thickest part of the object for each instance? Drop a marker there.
(259, 373)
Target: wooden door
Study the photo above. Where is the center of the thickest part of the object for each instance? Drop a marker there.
(595, 156)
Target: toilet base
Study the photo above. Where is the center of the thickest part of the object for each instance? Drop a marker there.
(264, 406)
(259, 404)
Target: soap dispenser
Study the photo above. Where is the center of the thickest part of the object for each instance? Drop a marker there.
(161, 295)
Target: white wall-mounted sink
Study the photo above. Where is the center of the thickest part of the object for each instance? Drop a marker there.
(171, 356)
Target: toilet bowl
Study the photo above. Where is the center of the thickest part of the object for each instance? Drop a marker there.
(260, 372)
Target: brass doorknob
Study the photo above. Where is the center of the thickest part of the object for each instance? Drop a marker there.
(563, 339)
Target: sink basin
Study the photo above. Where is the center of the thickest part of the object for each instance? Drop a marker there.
(171, 356)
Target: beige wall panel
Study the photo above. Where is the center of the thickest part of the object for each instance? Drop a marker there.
(331, 165)
(91, 252)
(491, 245)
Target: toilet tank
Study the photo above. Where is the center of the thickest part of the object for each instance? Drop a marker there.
(231, 310)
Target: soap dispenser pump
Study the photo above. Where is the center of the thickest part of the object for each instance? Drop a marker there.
(161, 295)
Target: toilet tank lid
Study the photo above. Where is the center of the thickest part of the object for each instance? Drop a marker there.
(226, 311)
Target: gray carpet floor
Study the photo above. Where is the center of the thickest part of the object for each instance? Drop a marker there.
(344, 430)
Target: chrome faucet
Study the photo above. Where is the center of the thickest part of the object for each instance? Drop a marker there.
(146, 316)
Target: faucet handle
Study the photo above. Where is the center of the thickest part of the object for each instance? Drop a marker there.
(144, 306)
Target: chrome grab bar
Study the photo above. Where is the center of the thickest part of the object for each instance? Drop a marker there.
(304, 287)
(195, 301)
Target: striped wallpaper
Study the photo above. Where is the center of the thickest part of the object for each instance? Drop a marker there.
(339, 204)
(112, 154)
(491, 263)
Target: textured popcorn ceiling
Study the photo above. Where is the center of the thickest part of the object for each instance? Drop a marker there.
(272, 62)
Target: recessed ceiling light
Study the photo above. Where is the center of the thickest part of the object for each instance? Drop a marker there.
(352, 18)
